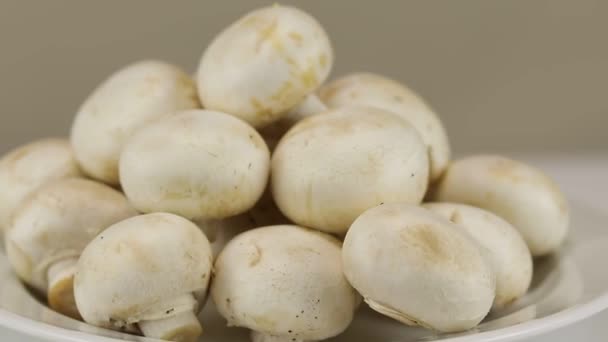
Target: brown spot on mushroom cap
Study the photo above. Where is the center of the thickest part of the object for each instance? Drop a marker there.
(256, 256)
(422, 237)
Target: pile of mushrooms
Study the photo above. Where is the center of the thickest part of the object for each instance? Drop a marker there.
(163, 197)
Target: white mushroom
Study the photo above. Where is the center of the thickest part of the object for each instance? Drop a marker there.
(505, 248)
(418, 268)
(53, 226)
(519, 193)
(198, 164)
(149, 270)
(273, 133)
(25, 169)
(378, 91)
(328, 169)
(129, 99)
(285, 283)
(264, 64)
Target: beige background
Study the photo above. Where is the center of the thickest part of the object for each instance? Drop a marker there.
(504, 75)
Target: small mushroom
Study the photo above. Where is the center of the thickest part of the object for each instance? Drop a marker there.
(418, 268)
(264, 64)
(132, 97)
(285, 283)
(151, 271)
(519, 193)
(273, 133)
(52, 227)
(328, 169)
(506, 249)
(198, 164)
(378, 91)
(29, 167)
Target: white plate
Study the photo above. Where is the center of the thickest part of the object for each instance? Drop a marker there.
(567, 287)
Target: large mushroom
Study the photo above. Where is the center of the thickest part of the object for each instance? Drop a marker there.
(330, 168)
(151, 272)
(505, 248)
(418, 268)
(26, 168)
(130, 98)
(519, 193)
(264, 64)
(285, 283)
(378, 91)
(198, 164)
(52, 227)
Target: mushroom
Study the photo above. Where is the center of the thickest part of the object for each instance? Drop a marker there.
(418, 268)
(285, 283)
(132, 97)
(52, 227)
(264, 64)
(151, 271)
(517, 192)
(378, 91)
(272, 133)
(26, 168)
(328, 169)
(198, 164)
(506, 249)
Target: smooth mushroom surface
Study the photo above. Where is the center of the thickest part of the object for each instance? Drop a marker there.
(52, 227)
(504, 246)
(519, 193)
(285, 283)
(130, 98)
(328, 169)
(273, 133)
(264, 64)
(378, 91)
(28, 167)
(198, 164)
(149, 271)
(418, 268)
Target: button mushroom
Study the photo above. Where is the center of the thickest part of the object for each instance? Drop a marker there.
(328, 169)
(198, 164)
(505, 248)
(28, 167)
(285, 283)
(378, 91)
(52, 227)
(150, 271)
(418, 268)
(264, 64)
(517, 192)
(275, 131)
(129, 99)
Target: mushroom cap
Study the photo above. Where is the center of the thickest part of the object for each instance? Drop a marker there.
(328, 169)
(130, 98)
(264, 64)
(415, 266)
(504, 246)
(26, 168)
(519, 193)
(198, 164)
(132, 270)
(378, 91)
(57, 222)
(284, 280)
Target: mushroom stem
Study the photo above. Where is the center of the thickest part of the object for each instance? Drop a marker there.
(183, 327)
(61, 287)
(262, 337)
